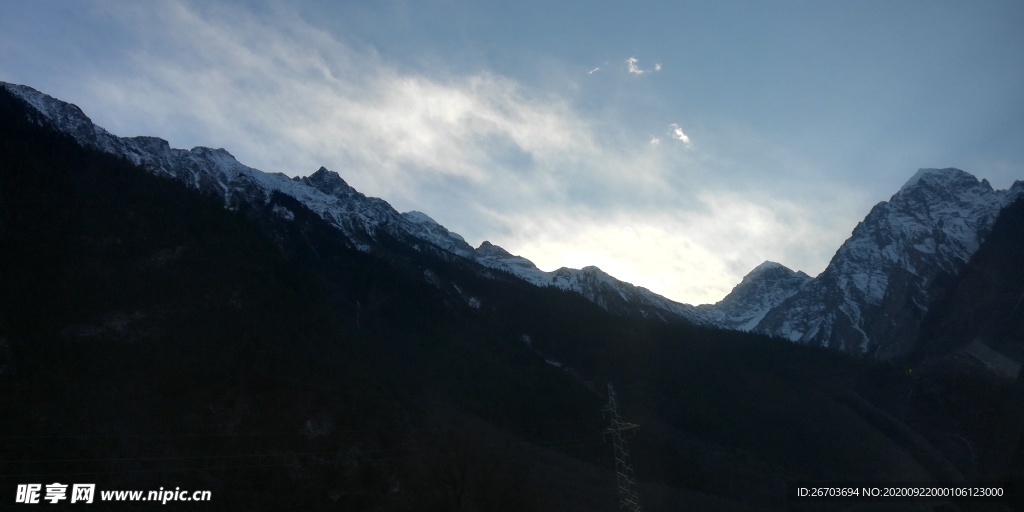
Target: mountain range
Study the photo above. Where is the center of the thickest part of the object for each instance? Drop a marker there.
(174, 318)
(871, 298)
(362, 219)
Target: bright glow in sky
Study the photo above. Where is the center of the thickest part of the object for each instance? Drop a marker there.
(674, 146)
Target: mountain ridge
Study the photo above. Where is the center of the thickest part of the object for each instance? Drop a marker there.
(359, 217)
(870, 299)
(879, 285)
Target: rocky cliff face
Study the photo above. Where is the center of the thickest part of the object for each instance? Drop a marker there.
(874, 294)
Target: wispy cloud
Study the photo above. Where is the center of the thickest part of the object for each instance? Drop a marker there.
(482, 153)
(633, 67)
(595, 70)
(678, 134)
(307, 99)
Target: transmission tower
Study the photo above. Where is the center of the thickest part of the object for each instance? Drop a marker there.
(628, 499)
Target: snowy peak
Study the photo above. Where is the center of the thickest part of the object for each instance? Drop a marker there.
(65, 116)
(771, 270)
(487, 249)
(942, 178)
(330, 183)
(944, 211)
(493, 256)
(767, 265)
(762, 289)
(876, 290)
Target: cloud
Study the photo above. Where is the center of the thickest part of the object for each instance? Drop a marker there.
(595, 70)
(285, 96)
(485, 155)
(633, 67)
(678, 134)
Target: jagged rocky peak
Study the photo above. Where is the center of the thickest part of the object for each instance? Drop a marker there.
(768, 264)
(487, 249)
(493, 256)
(772, 269)
(950, 188)
(885, 277)
(50, 107)
(63, 116)
(326, 176)
(764, 276)
(328, 182)
(488, 252)
(942, 178)
(946, 212)
(762, 289)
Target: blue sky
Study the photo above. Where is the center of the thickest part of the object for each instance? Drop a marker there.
(675, 145)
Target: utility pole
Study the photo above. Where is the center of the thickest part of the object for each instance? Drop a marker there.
(628, 499)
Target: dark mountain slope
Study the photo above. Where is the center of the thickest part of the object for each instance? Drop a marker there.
(986, 302)
(134, 309)
(150, 336)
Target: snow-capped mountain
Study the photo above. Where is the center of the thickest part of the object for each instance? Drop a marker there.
(360, 218)
(876, 290)
(870, 299)
(764, 288)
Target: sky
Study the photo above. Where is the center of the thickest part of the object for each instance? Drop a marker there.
(675, 145)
